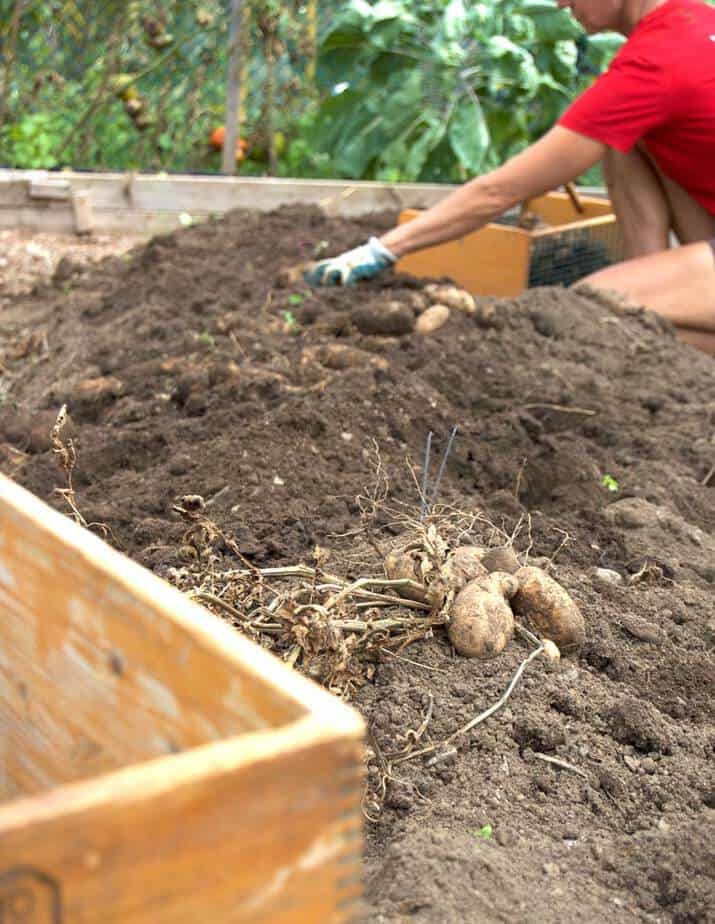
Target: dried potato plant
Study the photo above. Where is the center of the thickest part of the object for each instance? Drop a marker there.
(328, 626)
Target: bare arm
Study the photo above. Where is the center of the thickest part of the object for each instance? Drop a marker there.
(557, 158)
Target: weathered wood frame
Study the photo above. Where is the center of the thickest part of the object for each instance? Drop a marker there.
(154, 203)
(173, 771)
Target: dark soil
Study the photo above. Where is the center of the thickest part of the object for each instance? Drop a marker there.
(186, 370)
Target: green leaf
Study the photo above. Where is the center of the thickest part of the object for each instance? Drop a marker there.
(469, 133)
(486, 832)
(455, 20)
(420, 150)
(552, 24)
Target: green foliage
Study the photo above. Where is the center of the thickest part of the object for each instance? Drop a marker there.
(444, 90)
(395, 90)
(610, 483)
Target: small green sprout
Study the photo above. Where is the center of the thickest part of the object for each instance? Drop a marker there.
(289, 319)
(485, 832)
(610, 483)
(296, 298)
(205, 339)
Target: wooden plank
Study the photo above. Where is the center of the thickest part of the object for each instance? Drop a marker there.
(88, 634)
(237, 51)
(83, 213)
(49, 189)
(62, 221)
(13, 192)
(605, 220)
(262, 828)
(491, 261)
(217, 194)
(556, 208)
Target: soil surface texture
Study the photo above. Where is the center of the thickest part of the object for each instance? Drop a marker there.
(586, 441)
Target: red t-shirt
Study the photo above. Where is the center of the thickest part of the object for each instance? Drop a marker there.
(660, 89)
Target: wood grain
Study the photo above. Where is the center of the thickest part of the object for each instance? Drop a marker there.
(491, 261)
(161, 769)
(265, 828)
(103, 664)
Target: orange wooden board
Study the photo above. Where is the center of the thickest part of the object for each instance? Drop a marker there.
(156, 767)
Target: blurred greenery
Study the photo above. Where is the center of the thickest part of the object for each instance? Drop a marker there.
(429, 90)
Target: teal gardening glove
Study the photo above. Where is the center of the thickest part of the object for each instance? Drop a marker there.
(350, 267)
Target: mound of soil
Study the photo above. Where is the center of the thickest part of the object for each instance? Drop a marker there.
(187, 370)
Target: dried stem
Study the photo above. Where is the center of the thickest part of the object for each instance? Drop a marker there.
(483, 716)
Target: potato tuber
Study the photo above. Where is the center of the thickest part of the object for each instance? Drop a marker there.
(432, 319)
(547, 607)
(407, 564)
(551, 651)
(452, 297)
(464, 564)
(501, 559)
(481, 621)
(409, 561)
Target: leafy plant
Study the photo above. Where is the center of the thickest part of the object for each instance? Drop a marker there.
(444, 90)
(610, 483)
(388, 89)
(485, 832)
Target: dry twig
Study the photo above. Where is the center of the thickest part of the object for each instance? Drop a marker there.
(483, 716)
(563, 764)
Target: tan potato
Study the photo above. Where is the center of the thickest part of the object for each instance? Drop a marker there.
(502, 583)
(405, 564)
(464, 564)
(290, 276)
(547, 607)
(551, 651)
(481, 621)
(340, 356)
(432, 319)
(418, 301)
(409, 561)
(501, 559)
(452, 297)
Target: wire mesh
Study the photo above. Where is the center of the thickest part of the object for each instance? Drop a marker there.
(565, 256)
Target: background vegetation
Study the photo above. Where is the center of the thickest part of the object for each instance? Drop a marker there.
(429, 90)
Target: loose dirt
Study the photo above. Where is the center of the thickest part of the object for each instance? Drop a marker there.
(187, 370)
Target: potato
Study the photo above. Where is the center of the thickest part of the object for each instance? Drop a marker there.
(418, 301)
(290, 276)
(551, 651)
(452, 297)
(481, 621)
(409, 561)
(547, 607)
(432, 319)
(501, 559)
(405, 564)
(465, 564)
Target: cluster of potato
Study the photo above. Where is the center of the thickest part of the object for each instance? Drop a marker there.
(432, 306)
(481, 591)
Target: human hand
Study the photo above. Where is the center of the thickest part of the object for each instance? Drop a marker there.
(348, 268)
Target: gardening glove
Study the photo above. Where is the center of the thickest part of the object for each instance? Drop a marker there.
(362, 262)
